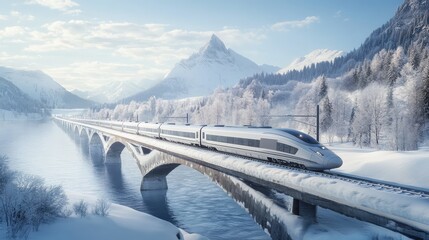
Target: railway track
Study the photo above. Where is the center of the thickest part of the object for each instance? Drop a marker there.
(362, 181)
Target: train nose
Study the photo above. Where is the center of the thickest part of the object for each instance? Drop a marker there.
(333, 161)
(326, 157)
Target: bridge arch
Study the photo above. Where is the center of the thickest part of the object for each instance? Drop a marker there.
(96, 149)
(115, 146)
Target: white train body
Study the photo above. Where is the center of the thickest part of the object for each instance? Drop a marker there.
(276, 145)
(187, 134)
(284, 146)
(149, 129)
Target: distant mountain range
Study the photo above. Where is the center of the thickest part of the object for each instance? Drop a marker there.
(212, 66)
(37, 86)
(316, 56)
(115, 91)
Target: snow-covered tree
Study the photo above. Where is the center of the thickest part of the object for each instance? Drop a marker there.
(326, 116)
(26, 203)
(323, 88)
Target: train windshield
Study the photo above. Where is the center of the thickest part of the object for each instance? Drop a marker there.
(304, 137)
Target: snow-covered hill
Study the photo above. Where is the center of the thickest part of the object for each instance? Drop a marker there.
(316, 56)
(13, 99)
(212, 66)
(42, 88)
(114, 91)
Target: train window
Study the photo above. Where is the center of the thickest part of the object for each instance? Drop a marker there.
(304, 137)
(204, 135)
(233, 140)
(196, 135)
(286, 148)
(179, 133)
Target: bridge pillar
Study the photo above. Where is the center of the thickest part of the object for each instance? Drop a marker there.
(157, 178)
(304, 209)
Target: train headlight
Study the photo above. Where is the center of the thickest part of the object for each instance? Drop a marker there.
(319, 153)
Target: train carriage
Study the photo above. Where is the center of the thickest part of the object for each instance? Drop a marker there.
(149, 129)
(130, 127)
(188, 134)
(116, 125)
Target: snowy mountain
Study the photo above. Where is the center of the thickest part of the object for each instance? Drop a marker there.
(409, 26)
(316, 56)
(13, 99)
(212, 66)
(114, 91)
(42, 88)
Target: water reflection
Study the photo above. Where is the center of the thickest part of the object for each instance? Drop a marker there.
(157, 205)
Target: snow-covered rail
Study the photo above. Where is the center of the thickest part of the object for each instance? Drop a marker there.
(385, 185)
(400, 209)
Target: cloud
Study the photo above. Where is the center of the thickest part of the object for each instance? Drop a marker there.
(17, 15)
(143, 50)
(12, 32)
(287, 25)
(340, 14)
(129, 39)
(67, 6)
(4, 56)
(20, 16)
(92, 74)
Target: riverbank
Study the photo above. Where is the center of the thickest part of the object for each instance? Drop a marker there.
(121, 223)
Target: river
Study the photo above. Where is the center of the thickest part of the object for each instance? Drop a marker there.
(192, 201)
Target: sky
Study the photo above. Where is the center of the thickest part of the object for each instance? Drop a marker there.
(86, 44)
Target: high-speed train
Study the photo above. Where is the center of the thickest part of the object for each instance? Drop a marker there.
(284, 146)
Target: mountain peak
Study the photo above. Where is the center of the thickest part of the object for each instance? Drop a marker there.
(214, 46)
(212, 67)
(215, 41)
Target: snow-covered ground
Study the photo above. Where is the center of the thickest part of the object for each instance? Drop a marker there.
(121, 223)
(408, 168)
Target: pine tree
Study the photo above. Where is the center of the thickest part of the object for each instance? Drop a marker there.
(323, 90)
(392, 74)
(414, 57)
(326, 121)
